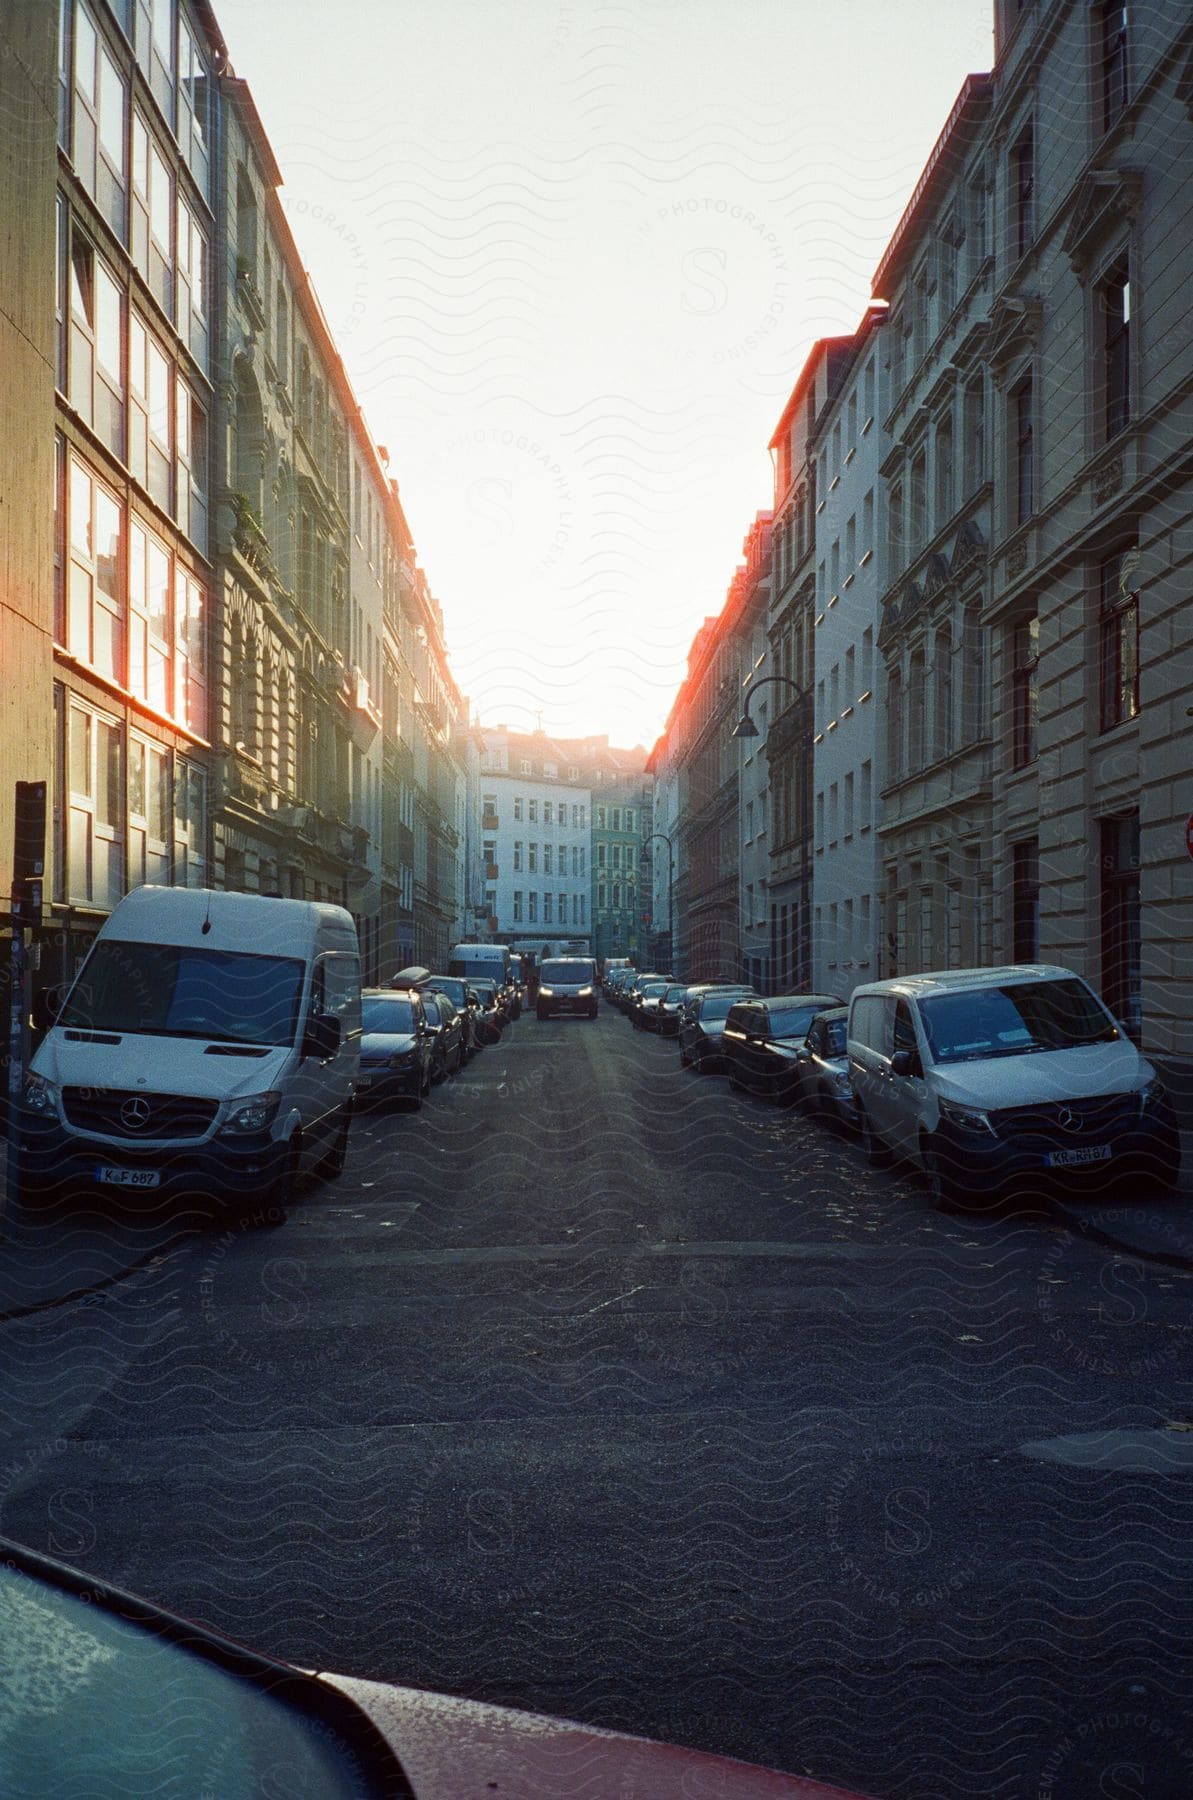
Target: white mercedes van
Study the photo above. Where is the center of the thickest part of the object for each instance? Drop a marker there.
(209, 1044)
(990, 1078)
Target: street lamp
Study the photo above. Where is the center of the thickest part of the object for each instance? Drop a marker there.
(670, 892)
(745, 727)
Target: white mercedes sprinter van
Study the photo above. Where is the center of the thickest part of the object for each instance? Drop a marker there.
(209, 1044)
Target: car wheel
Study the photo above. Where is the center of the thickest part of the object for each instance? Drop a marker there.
(685, 1061)
(414, 1101)
(438, 1071)
(331, 1166)
(278, 1197)
(540, 1013)
(944, 1191)
(877, 1154)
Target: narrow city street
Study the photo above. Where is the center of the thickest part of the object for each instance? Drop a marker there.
(598, 1389)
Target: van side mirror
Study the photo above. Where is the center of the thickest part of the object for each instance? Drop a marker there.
(905, 1062)
(323, 1036)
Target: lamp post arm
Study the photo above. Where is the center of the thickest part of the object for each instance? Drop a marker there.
(782, 680)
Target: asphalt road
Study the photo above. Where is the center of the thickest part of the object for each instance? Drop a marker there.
(599, 1389)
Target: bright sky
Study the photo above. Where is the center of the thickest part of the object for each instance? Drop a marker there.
(574, 257)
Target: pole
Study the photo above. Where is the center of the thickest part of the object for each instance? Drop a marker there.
(18, 976)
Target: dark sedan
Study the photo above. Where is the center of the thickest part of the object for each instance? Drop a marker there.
(464, 998)
(447, 1035)
(762, 1039)
(670, 1007)
(644, 1010)
(701, 1024)
(492, 1008)
(395, 1047)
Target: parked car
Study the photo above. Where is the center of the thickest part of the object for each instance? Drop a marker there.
(989, 1078)
(644, 1010)
(618, 983)
(627, 994)
(395, 1046)
(208, 1044)
(762, 1039)
(670, 1006)
(701, 1025)
(466, 1001)
(567, 984)
(609, 965)
(447, 1034)
(822, 1069)
(492, 1007)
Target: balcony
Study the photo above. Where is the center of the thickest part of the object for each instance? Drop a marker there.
(490, 871)
(489, 821)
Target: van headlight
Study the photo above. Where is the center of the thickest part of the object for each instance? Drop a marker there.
(547, 993)
(585, 991)
(965, 1118)
(39, 1095)
(1152, 1094)
(252, 1114)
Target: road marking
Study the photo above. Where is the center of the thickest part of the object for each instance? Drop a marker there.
(601, 1305)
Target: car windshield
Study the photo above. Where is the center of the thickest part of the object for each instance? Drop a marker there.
(394, 1018)
(835, 1033)
(791, 1021)
(566, 973)
(650, 988)
(1014, 1021)
(486, 989)
(171, 990)
(453, 989)
(675, 993)
(716, 1006)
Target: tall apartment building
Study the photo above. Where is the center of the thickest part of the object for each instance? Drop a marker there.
(29, 104)
(846, 449)
(621, 857)
(791, 629)
(938, 870)
(132, 592)
(1090, 606)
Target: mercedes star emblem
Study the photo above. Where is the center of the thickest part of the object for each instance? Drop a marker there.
(135, 1113)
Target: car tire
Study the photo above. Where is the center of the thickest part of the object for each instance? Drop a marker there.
(877, 1154)
(540, 1013)
(414, 1101)
(279, 1196)
(438, 1069)
(944, 1190)
(685, 1061)
(331, 1165)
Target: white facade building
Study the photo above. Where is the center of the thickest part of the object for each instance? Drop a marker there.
(536, 824)
(846, 872)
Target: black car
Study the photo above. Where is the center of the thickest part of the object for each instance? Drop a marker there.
(466, 1001)
(701, 1023)
(761, 1041)
(644, 1007)
(395, 1046)
(492, 1007)
(447, 1028)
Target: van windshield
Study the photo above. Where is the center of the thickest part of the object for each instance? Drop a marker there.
(491, 966)
(1014, 1021)
(566, 974)
(172, 990)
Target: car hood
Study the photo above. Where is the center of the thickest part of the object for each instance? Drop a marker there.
(200, 1067)
(466, 1750)
(1044, 1076)
(386, 1043)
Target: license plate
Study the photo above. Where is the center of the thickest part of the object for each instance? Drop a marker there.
(129, 1178)
(1071, 1159)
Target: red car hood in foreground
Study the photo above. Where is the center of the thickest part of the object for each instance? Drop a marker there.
(466, 1750)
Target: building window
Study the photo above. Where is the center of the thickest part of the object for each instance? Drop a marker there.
(1022, 408)
(94, 822)
(1023, 193)
(548, 909)
(1121, 959)
(975, 435)
(149, 646)
(915, 711)
(600, 818)
(942, 708)
(524, 769)
(1114, 306)
(153, 217)
(532, 811)
(95, 622)
(944, 472)
(1025, 901)
(617, 896)
(895, 527)
(518, 808)
(532, 859)
(1025, 705)
(1118, 633)
(1115, 88)
(602, 851)
(100, 155)
(517, 906)
(532, 902)
(518, 856)
(149, 812)
(151, 452)
(547, 857)
(894, 725)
